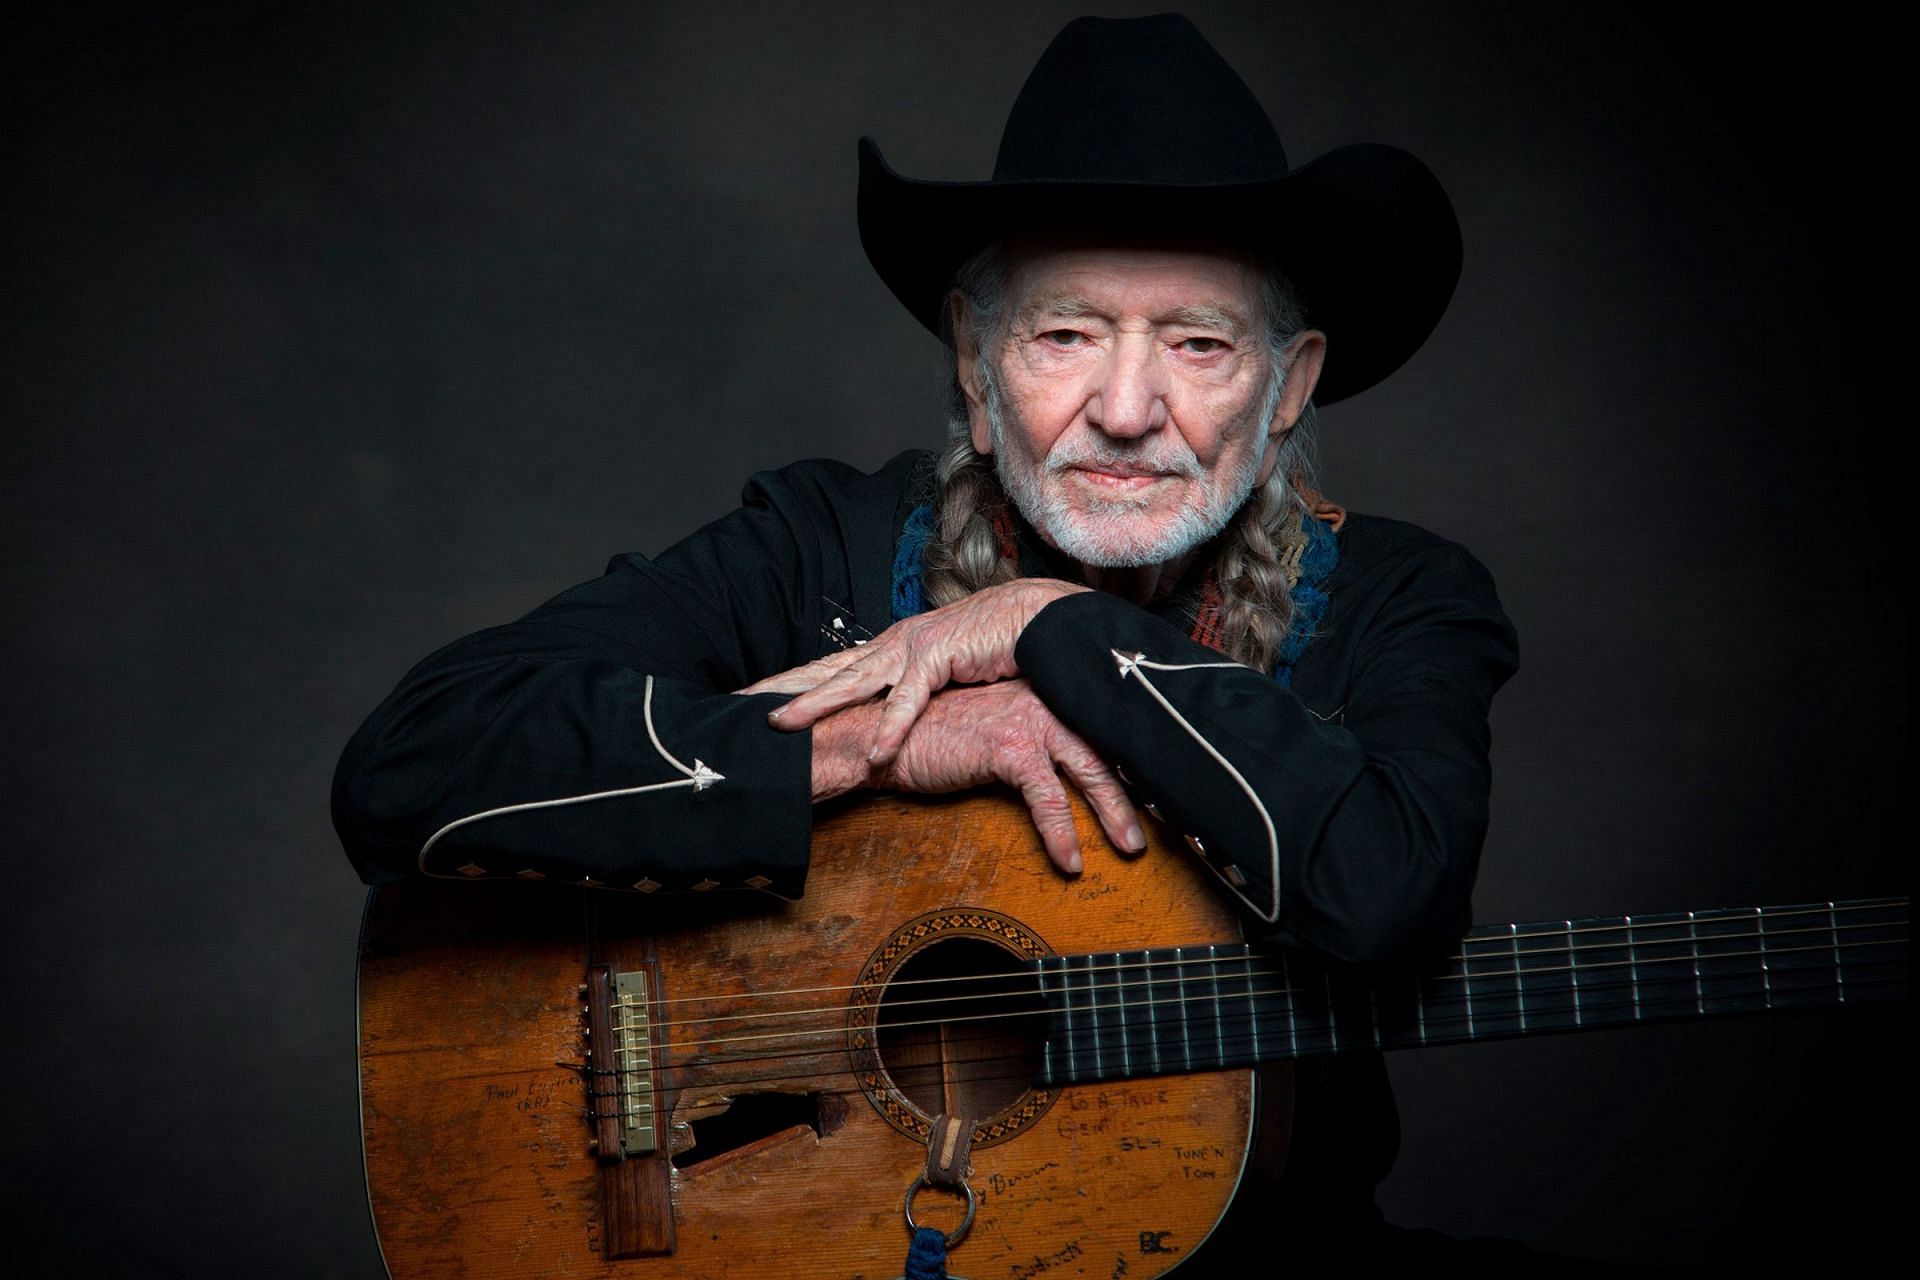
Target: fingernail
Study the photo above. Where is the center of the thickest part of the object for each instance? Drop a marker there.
(874, 753)
(1073, 863)
(1136, 839)
(776, 713)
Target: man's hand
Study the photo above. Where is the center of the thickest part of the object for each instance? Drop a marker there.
(968, 642)
(801, 679)
(999, 732)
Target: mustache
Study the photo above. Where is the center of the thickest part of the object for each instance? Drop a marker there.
(1168, 456)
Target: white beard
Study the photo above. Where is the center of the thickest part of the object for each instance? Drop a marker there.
(1118, 531)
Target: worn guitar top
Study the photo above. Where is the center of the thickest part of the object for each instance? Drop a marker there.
(596, 738)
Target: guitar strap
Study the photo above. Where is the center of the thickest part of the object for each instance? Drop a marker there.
(949, 1147)
(949, 1152)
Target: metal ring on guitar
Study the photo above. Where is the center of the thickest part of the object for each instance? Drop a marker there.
(959, 1233)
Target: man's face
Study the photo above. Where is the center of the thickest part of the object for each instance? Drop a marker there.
(1131, 419)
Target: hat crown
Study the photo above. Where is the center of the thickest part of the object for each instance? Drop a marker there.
(1138, 128)
(1137, 100)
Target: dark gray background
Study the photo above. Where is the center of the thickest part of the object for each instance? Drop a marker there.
(330, 337)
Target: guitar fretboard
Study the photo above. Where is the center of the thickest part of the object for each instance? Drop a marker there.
(1133, 1013)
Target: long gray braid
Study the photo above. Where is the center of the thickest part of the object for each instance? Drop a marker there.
(1258, 558)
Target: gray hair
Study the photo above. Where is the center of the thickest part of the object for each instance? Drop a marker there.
(1253, 572)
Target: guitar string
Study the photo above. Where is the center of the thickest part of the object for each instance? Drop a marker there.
(1441, 1017)
(1432, 994)
(1247, 967)
(1226, 1048)
(1517, 954)
(1224, 1044)
(1183, 1000)
(1502, 943)
(1024, 1075)
(1546, 929)
(1503, 952)
(1439, 1000)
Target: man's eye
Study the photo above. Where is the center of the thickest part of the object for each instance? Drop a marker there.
(1064, 337)
(1203, 346)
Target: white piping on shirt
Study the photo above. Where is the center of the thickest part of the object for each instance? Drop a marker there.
(1128, 663)
(699, 777)
(1136, 665)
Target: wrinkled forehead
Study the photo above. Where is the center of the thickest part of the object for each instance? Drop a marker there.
(1158, 277)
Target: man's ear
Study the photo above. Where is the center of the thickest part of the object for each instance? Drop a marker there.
(966, 354)
(1304, 356)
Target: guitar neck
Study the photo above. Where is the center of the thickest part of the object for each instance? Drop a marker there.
(1178, 1009)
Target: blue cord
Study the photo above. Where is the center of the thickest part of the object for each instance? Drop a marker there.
(927, 1256)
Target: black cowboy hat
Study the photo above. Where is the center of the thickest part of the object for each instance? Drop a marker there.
(1137, 126)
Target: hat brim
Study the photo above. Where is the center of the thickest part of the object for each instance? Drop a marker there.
(1365, 233)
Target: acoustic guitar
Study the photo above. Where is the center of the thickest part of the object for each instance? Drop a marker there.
(558, 1083)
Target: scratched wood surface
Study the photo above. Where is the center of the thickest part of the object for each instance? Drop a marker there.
(476, 1144)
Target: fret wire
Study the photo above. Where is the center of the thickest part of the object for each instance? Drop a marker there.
(1633, 969)
(1333, 1026)
(1066, 987)
(1699, 992)
(1766, 974)
(1573, 973)
(1466, 973)
(1097, 1018)
(1253, 1013)
(1186, 1034)
(1153, 1022)
(1519, 981)
(1046, 1045)
(1839, 970)
(1126, 1045)
(1219, 1029)
(1293, 1027)
(1465, 987)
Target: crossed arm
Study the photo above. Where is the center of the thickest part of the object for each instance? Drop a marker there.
(955, 715)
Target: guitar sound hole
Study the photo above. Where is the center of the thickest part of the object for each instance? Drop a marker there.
(961, 1028)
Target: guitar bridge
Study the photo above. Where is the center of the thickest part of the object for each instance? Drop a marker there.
(633, 1063)
(620, 1089)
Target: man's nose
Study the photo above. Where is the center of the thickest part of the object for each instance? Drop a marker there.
(1131, 398)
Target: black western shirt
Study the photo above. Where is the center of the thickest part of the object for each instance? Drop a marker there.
(597, 739)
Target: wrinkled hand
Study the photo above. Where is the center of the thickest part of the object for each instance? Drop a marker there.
(1003, 732)
(968, 642)
(801, 679)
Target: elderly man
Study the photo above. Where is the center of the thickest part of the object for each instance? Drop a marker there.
(1117, 576)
